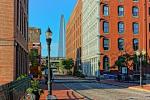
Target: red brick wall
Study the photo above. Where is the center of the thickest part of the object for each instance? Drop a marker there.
(128, 35)
(6, 19)
(6, 64)
(73, 32)
(10, 38)
(6, 34)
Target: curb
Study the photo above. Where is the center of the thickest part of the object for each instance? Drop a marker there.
(113, 84)
(138, 89)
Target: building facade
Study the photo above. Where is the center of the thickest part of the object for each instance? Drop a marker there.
(13, 39)
(34, 46)
(34, 39)
(73, 35)
(109, 29)
(90, 37)
(124, 29)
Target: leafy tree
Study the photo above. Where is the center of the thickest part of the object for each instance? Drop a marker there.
(68, 64)
(126, 60)
(33, 56)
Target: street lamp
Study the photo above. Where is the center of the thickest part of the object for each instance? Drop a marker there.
(140, 56)
(48, 40)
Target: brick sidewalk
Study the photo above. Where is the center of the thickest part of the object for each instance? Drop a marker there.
(62, 93)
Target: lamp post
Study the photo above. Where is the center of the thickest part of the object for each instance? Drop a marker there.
(48, 40)
(140, 56)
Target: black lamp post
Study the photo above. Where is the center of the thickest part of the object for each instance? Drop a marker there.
(140, 56)
(48, 40)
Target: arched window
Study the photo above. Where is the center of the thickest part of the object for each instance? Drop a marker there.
(120, 11)
(120, 27)
(135, 44)
(106, 64)
(105, 10)
(135, 11)
(135, 28)
(121, 44)
(105, 27)
(106, 44)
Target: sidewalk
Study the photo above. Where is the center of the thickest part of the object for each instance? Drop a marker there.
(145, 88)
(133, 86)
(61, 92)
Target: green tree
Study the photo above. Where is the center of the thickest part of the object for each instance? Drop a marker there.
(33, 56)
(126, 60)
(68, 64)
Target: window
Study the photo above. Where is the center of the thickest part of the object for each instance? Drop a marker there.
(106, 44)
(149, 43)
(120, 11)
(135, 11)
(105, 10)
(135, 28)
(18, 10)
(106, 65)
(135, 0)
(149, 27)
(135, 44)
(120, 27)
(105, 27)
(149, 11)
(121, 44)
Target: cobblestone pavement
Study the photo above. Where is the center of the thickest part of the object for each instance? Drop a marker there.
(101, 91)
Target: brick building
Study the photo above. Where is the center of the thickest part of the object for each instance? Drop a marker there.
(73, 35)
(34, 39)
(13, 39)
(124, 28)
(110, 28)
(34, 44)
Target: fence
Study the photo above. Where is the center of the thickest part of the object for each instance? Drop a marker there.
(14, 90)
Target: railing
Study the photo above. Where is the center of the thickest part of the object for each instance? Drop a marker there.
(14, 90)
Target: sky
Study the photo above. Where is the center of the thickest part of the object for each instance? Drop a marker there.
(47, 13)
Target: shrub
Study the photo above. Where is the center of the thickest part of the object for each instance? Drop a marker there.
(79, 74)
(21, 76)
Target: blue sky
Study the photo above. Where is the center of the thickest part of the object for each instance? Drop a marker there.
(44, 13)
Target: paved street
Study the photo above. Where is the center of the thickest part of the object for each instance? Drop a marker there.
(99, 91)
(102, 91)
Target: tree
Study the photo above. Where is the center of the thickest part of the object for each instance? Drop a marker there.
(68, 64)
(126, 60)
(33, 56)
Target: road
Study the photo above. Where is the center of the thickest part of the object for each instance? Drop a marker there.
(100, 91)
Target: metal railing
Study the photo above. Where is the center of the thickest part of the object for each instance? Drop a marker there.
(14, 90)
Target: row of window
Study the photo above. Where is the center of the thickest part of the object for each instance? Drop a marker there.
(135, 27)
(135, 10)
(121, 44)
